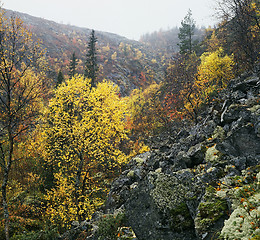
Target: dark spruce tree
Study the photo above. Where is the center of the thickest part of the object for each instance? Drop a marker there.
(91, 67)
(187, 44)
(60, 78)
(73, 65)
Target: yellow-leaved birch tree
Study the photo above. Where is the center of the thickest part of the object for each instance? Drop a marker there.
(83, 129)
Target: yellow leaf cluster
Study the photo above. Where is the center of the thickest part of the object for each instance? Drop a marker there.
(214, 73)
(91, 121)
(83, 129)
(146, 112)
(62, 210)
(216, 69)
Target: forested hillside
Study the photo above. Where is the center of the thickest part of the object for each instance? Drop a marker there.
(105, 138)
(129, 64)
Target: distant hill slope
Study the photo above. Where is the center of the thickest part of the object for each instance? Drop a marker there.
(129, 64)
(166, 41)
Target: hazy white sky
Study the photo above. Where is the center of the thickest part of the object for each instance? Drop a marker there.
(129, 18)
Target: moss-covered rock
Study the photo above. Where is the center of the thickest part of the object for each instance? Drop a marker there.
(170, 197)
(158, 170)
(126, 233)
(244, 193)
(242, 224)
(168, 192)
(181, 218)
(210, 210)
(131, 174)
(255, 109)
(139, 161)
(218, 134)
(213, 155)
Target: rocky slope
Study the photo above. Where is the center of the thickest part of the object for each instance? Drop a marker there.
(196, 182)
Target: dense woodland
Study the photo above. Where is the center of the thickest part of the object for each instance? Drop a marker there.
(66, 133)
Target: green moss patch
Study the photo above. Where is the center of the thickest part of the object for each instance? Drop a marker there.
(210, 211)
(181, 218)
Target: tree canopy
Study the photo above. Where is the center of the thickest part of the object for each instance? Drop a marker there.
(83, 130)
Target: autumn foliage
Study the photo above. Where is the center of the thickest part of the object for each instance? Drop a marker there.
(180, 79)
(192, 82)
(61, 147)
(147, 115)
(214, 73)
(82, 130)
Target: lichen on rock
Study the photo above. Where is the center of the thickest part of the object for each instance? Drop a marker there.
(241, 223)
(213, 155)
(168, 192)
(219, 133)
